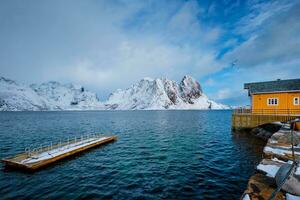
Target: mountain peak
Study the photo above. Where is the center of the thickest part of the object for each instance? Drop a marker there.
(3, 79)
(162, 93)
(187, 77)
(190, 88)
(147, 79)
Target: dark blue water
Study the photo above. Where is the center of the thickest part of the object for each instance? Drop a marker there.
(158, 155)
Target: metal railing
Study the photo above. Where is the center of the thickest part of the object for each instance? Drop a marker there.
(34, 150)
(274, 111)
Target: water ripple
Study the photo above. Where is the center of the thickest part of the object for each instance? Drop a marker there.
(158, 155)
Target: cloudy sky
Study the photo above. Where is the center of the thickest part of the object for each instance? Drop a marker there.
(110, 44)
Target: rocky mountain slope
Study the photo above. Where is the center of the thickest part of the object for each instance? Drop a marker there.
(150, 94)
(153, 94)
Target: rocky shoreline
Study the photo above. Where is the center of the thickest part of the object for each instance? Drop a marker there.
(277, 152)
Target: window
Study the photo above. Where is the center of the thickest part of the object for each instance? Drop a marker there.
(272, 101)
(296, 100)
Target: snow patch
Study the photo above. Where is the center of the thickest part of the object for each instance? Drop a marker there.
(292, 197)
(297, 172)
(270, 170)
(246, 197)
(279, 151)
(61, 150)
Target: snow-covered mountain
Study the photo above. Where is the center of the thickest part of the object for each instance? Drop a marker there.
(155, 94)
(149, 94)
(67, 96)
(47, 96)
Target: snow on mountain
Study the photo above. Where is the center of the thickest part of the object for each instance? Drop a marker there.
(47, 96)
(155, 94)
(190, 89)
(66, 96)
(14, 96)
(148, 94)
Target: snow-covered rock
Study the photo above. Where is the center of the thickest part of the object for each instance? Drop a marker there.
(67, 96)
(14, 97)
(190, 89)
(156, 94)
(47, 96)
(148, 94)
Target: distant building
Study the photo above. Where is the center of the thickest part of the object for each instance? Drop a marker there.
(280, 96)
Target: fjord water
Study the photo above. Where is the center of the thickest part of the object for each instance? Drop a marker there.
(158, 155)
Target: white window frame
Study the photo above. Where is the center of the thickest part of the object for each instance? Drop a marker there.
(294, 101)
(272, 101)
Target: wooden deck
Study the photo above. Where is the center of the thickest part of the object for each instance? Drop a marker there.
(33, 160)
(248, 119)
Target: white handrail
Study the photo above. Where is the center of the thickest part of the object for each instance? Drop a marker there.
(31, 150)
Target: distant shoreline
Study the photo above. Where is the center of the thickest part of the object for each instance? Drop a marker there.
(115, 110)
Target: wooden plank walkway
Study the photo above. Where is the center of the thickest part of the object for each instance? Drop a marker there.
(33, 160)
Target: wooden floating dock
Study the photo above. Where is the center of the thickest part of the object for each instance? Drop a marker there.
(41, 157)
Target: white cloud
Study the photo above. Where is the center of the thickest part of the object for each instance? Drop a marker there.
(129, 55)
(110, 44)
(270, 47)
(273, 36)
(223, 94)
(131, 60)
(260, 13)
(210, 82)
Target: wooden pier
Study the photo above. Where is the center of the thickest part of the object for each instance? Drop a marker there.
(37, 158)
(248, 119)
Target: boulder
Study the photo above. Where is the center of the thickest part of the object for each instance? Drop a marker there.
(292, 183)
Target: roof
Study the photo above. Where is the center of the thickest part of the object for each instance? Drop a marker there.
(273, 86)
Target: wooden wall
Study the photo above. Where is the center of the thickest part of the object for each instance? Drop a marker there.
(286, 101)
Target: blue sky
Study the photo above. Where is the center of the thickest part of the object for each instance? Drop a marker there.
(105, 45)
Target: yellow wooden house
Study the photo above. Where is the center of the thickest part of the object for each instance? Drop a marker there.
(280, 97)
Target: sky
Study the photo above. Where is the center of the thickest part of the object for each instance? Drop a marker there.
(109, 44)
